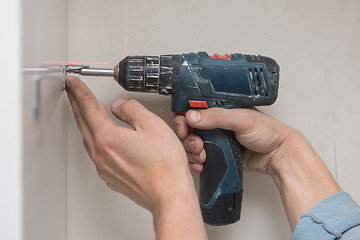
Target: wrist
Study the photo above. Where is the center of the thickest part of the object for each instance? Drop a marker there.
(293, 151)
(179, 217)
(301, 176)
(180, 193)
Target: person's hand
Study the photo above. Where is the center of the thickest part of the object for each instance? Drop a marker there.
(261, 135)
(146, 162)
(271, 148)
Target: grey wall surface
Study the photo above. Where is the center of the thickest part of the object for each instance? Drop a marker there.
(44, 180)
(316, 44)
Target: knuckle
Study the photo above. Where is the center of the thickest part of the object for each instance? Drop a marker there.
(183, 141)
(178, 120)
(190, 137)
(190, 158)
(85, 96)
(129, 105)
(86, 146)
(202, 156)
(185, 144)
(197, 168)
(177, 130)
(155, 126)
(194, 143)
(112, 187)
(86, 112)
(101, 141)
(216, 115)
(248, 119)
(199, 144)
(94, 156)
(97, 160)
(102, 175)
(191, 168)
(175, 121)
(78, 121)
(176, 127)
(77, 118)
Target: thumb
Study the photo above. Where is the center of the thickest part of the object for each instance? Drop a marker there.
(131, 112)
(253, 129)
(238, 120)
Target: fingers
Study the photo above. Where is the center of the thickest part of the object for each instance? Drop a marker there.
(253, 129)
(196, 167)
(180, 125)
(197, 158)
(81, 123)
(195, 152)
(193, 144)
(91, 119)
(131, 112)
(91, 110)
(231, 119)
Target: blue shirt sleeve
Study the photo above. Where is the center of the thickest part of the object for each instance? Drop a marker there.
(336, 217)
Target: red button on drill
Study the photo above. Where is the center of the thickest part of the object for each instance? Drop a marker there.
(217, 56)
(198, 104)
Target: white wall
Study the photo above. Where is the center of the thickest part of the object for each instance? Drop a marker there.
(10, 123)
(316, 44)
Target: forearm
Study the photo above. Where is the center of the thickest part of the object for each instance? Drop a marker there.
(180, 218)
(301, 176)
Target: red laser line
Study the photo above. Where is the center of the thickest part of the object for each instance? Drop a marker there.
(126, 27)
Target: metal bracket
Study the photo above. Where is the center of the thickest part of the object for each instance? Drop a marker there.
(65, 73)
(42, 73)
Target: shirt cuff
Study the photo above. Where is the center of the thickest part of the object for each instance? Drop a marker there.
(329, 218)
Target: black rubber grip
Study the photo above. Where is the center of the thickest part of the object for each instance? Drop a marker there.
(215, 168)
(220, 192)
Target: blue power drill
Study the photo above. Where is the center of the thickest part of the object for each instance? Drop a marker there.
(199, 81)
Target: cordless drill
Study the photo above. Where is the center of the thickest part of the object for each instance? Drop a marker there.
(200, 81)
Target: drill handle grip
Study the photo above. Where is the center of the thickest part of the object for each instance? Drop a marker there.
(220, 192)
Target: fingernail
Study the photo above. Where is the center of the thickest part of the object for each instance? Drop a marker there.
(195, 116)
(118, 102)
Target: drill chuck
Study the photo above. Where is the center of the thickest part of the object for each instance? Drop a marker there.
(155, 74)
